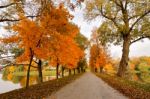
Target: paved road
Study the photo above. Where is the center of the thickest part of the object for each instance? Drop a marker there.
(87, 86)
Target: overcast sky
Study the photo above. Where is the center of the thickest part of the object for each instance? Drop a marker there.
(137, 49)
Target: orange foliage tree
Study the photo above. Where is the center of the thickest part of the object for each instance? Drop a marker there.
(98, 58)
(64, 50)
(49, 37)
(29, 37)
(98, 53)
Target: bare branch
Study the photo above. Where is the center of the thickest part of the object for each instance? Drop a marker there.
(8, 5)
(139, 39)
(14, 20)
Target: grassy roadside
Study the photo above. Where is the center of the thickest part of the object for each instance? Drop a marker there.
(35, 73)
(39, 91)
(131, 89)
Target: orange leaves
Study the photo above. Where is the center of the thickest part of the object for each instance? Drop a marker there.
(28, 31)
(63, 49)
(98, 56)
(51, 37)
(29, 34)
(11, 39)
(66, 52)
(57, 20)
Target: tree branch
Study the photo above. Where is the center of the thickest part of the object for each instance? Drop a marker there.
(11, 4)
(109, 18)
(115, 1)
(126, 4)
(35, 61)
(139, 39)
(8, 5)
(131, 17)
(138, 20)
(14, 20)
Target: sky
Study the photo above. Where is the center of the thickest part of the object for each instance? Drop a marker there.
(140, 48)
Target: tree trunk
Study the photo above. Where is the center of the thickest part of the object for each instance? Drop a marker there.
(78, 69)
(82, 69)
(74, 71)
(101, 69)
(96, 70)
(125, 56)
(40, 71)
(92, 68)
(57, 71)
(28, 72)
(62, 71)
(69, 72)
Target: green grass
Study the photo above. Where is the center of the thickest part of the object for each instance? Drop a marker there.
(35, 73)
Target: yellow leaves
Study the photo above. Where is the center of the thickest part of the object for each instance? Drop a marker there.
(10, 70)
(109, 68)
(9, 77)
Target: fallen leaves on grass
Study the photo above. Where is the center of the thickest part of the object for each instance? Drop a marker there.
(132, 89)
(39, 91)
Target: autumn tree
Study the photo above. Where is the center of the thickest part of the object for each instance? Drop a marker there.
(63, 48)
(83, 43)
(65, 52)
(93, 56)
(98, 58)
(40, 44)
(51, 34)
(124, 23)
(29, 41)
